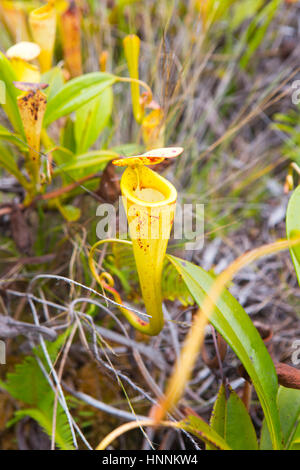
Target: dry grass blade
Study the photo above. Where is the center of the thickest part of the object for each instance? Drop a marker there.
(128, 427)
(195, 336)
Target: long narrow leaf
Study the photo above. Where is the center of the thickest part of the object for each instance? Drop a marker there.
(293, 227)
(232, 322)
(288, 401)
(76, 93)
(87, 160)
(91, 119)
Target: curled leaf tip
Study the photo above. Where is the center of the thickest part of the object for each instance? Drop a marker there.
(152, 157)
(30, 86)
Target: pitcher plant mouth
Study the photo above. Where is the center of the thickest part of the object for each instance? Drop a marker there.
(149, 201)
(144, 187)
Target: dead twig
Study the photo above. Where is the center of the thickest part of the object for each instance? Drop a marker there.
(10, 328)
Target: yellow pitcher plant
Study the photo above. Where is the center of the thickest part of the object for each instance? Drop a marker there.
(152, 124)
(32, 106)
(70, 24)
(149, 201)
(131, 45)
(42, 23)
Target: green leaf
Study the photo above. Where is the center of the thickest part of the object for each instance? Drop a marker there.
(43, 416)
(295, 443)
(28, 384)
(61, 155)
(55, 79)
(288, 401)
(289, 411)
(232, 322)
(67, 136)
(293, 227)
(76, 93)
(239, 430)
(231, 421)
(91, 119)
(10, 106)
(202, 430)
(218, 416)
(94, 158)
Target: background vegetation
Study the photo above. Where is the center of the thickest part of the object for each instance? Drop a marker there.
(221, 74)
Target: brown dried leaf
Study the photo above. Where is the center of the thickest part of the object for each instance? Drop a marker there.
(9, 328)
(288, 376)
(28, 86)
(71, 39)
(109, 188)
(212, 362)
(20, 231)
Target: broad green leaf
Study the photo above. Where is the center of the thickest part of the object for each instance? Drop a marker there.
(55, 79)
(239, 430)
(293, 227)
(76, 93)
(232, 322)
(94, 158)
(61, 156)
(10, 106)
(289, 411)
(91, 119)
(218, 416)
(201, 429)
(231, 421)
(67, 136)
(288, 401)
